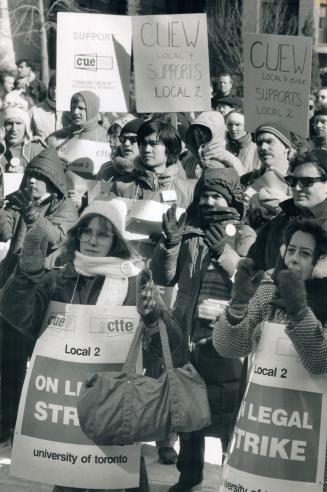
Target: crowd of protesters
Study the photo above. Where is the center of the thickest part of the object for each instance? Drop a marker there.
(248, 248)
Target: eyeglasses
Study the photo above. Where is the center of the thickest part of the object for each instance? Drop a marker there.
(304, 182)
(152, 143)
(85, 234)
(131, 138)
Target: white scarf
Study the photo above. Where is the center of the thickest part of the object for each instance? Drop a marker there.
(116, 272)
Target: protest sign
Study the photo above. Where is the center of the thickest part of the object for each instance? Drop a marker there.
(171, 63)
(277, 75)
(145, 216)
(49, 446)
(279, 441)
(85, 156)
(93, 53)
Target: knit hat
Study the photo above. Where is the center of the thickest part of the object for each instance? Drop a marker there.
(224, 181)
(92, 103)
(20, 114)
(114, 210)
(132, 126)
(277, 129)
(49, 165)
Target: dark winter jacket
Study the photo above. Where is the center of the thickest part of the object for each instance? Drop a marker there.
(143, 184)
(265, 249)
(57, 214)
(186, 264)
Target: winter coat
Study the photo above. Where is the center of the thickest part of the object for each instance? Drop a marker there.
(146, 185)
(215, 122)
(186, 264)
(57, 214)
(246, 150)
(265, 249)
(66, 285)
(308, 335)
(24, 152)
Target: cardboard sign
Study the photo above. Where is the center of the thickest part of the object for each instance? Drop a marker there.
(11, 182)
(49, 446)
(277, 75)
(171, 63)
(93, 53)
(145, 216)
(85, 156)
(279, 441)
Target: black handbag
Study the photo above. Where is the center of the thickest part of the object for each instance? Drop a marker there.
(117, 408)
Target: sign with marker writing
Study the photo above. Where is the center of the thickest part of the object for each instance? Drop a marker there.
(49, 446)
(94, 54)
(279, 440)
(277, 76)
(85, 156)
(171, 63)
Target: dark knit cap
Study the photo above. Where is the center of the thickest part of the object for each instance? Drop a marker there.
(132, 126)
(320, 112)
(49, 165)
(278, 129)
(224, 181)
(92, 103)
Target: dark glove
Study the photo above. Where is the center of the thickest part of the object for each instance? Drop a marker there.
(34, 250)
(292, 290)
(172, 228)
(247, 278)
(146, 297)
(21, 200)
(215, 239)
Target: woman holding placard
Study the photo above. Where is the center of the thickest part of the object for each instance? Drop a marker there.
(100, 270)
(281, 321)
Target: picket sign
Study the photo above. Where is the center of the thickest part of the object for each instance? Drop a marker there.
(85, 156)
(49, 446)
(279, 441)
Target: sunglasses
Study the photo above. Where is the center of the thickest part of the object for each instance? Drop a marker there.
(304, 182)
(132, 139)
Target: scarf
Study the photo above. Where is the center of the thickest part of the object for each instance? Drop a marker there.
(116, 272)
(151, 180)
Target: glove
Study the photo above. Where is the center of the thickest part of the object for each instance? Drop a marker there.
(215, 239)
(34, 250)
(21, 201)
(172, 228)
(247, 278)
(146, 302)
(292, 290)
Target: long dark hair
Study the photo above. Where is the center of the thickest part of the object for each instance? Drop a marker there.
(119, 249)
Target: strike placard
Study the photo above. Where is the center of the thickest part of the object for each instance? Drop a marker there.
(279, 440)
(171, 63)
(277, 76)
(94, 53)
(49, 446)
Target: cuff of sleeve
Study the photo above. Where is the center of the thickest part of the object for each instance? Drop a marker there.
(235, 315)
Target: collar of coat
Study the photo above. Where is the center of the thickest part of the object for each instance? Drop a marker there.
(318, 211)
(149, 179)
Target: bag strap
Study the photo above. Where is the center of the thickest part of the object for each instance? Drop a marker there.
(130, 362)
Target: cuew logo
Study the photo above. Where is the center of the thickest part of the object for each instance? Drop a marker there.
(93, 62)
